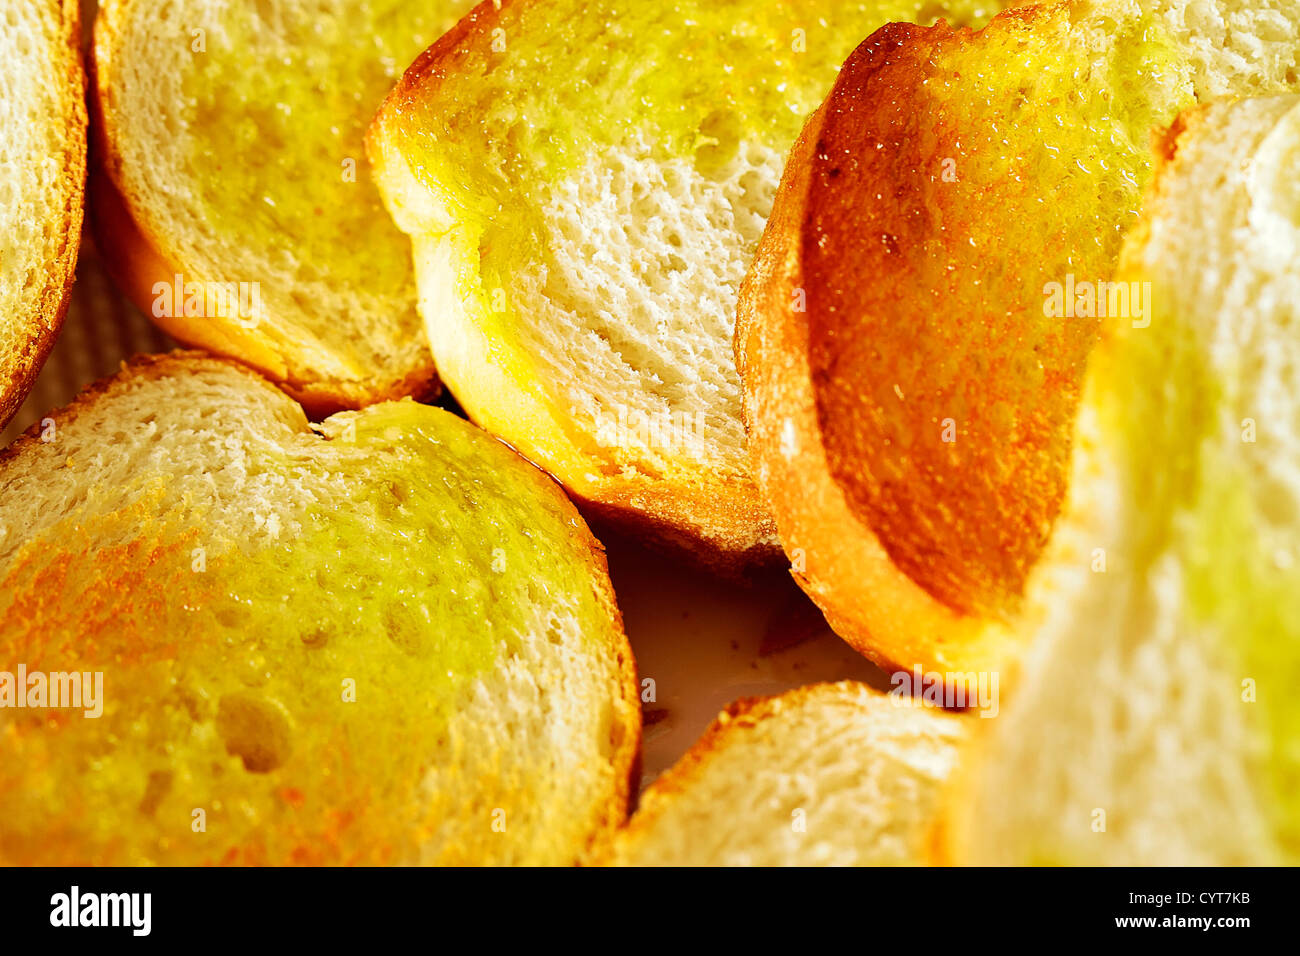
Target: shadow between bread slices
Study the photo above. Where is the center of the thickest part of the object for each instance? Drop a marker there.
(910, 401)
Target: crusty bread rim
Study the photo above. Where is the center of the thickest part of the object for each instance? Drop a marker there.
(626, 751)
(741, 715)
(137, 254)
(51, 302)
(817, 526)
(710, 518)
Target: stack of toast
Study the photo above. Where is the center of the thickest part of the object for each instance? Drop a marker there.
(976, 318)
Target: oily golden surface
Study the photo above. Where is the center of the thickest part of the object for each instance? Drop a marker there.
(262, 178)
(469, 146)
(955, 175)
(303, 691)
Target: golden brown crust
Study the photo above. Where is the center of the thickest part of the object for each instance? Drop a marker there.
(711, 528)
(890, 524)
(717, 522)
(137, 257)
(21, 361)
(836, 558)
(443, 56)
(964, 516)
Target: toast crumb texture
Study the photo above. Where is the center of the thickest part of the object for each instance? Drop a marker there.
(383, 639)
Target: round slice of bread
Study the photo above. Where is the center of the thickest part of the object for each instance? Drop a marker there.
(231, 193)
(914, 329)
(42, 183)
(232, 637)
(1156, 722)
(579, 242)
(830, 774)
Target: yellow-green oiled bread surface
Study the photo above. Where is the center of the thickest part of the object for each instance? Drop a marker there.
(1156, 722)
(232, 151)
(381, 639)
(584, 185)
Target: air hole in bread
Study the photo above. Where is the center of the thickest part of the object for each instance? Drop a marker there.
(255, 729)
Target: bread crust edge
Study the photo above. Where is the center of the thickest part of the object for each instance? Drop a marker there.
(875, 606)
(45, 317)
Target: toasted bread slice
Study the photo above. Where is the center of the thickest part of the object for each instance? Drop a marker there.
(383, 639)
(42, 183)
(830, 774)
(584, 185)
(229, 140)
(910, 376)
(1157, 720)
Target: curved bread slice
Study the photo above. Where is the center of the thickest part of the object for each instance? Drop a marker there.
(832, 774)
(384, 639)
(42, 179)
(1157, 720)
(911, 364)
(579, 243)
(232, 196)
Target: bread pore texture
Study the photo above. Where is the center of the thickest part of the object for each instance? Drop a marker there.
(42, 183)
(584, 186)
(916, 325)
(232, 195)
(826, 775)
(383, 639)
(1156, 723)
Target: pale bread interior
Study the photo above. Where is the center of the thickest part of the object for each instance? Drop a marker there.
(1236, 47)
(632, 317)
